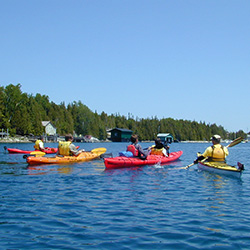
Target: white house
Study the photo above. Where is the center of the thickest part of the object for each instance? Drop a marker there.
(50, 129)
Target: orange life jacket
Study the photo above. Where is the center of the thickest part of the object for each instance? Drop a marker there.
(156, 151)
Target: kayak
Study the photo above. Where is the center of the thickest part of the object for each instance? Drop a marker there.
(84, 156)
(221, 168)
(20, 151)
(123, 161)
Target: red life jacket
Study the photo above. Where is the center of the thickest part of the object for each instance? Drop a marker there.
(131, 148)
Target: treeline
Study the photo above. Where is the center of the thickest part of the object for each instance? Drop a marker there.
(22, 114)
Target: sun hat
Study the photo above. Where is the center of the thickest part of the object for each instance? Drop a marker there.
(215, 137)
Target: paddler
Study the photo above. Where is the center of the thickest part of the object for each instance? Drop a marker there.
(136, 148)
(216, 152)
(39, 145)
(67, 148)
(159, 148)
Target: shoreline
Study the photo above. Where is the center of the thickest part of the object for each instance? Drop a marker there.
(23, 139)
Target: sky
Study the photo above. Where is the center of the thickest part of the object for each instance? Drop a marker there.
(183, 59)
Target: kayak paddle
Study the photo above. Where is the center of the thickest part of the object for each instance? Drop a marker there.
(98, 150)
(37, 153)
(233, 143)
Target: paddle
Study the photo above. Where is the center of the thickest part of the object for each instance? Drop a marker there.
(107, 155)
(35, 153)
(233, 143)
(98, 150)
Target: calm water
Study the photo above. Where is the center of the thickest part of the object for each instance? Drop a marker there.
(82, 206)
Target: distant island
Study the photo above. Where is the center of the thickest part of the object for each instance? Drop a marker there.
(22, 114)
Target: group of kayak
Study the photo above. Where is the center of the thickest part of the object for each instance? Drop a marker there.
(213, 159)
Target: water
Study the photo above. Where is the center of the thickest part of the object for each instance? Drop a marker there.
(82, 206)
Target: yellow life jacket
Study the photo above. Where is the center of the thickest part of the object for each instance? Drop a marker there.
(63, 148)
(36, 146)
(156, 151)
(218, 154)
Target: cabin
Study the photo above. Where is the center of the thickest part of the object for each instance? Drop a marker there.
(50, 129)
(120, 135)
(165, 137)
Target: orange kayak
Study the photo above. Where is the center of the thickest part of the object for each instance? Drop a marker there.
(84, 156)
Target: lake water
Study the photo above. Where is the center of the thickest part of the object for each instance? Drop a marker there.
(82, 206)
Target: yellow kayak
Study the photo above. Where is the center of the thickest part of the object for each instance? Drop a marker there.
(84, 156)
(221, 168)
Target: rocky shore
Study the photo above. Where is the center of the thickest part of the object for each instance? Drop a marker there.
(16, 139)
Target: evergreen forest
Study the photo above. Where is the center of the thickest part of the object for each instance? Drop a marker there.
(22, 114)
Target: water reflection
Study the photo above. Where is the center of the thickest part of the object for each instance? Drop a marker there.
(217, 203)
(45, 169)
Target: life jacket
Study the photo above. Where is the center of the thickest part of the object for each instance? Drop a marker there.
(156, 151)
(218, 154)
(63, 148)
(36, 146)
(131, 148)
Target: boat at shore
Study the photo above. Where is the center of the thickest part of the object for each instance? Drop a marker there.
(123, 161)
(221, 168)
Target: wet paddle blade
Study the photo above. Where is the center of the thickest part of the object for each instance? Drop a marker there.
(99, 150)
(235, 142)
(38, 153)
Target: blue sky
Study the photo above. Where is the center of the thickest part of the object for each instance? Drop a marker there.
(184, 59)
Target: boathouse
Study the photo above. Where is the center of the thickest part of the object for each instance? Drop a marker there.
(120, 134)
(165, 137)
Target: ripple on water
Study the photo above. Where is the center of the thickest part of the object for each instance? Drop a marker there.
(81, 206)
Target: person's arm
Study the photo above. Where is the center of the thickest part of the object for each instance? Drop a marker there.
(41, 146)
(199, 158)
(206, 154)
(164, 151)
(139, 148)
(74, 150)
(167, 148)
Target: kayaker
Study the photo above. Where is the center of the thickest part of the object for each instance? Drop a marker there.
(136, 148)
(39, 145)
(159, 148)
(216, 152)
(67, 148)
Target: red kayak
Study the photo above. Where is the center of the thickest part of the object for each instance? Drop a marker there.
(20, 151)
(123, 161)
